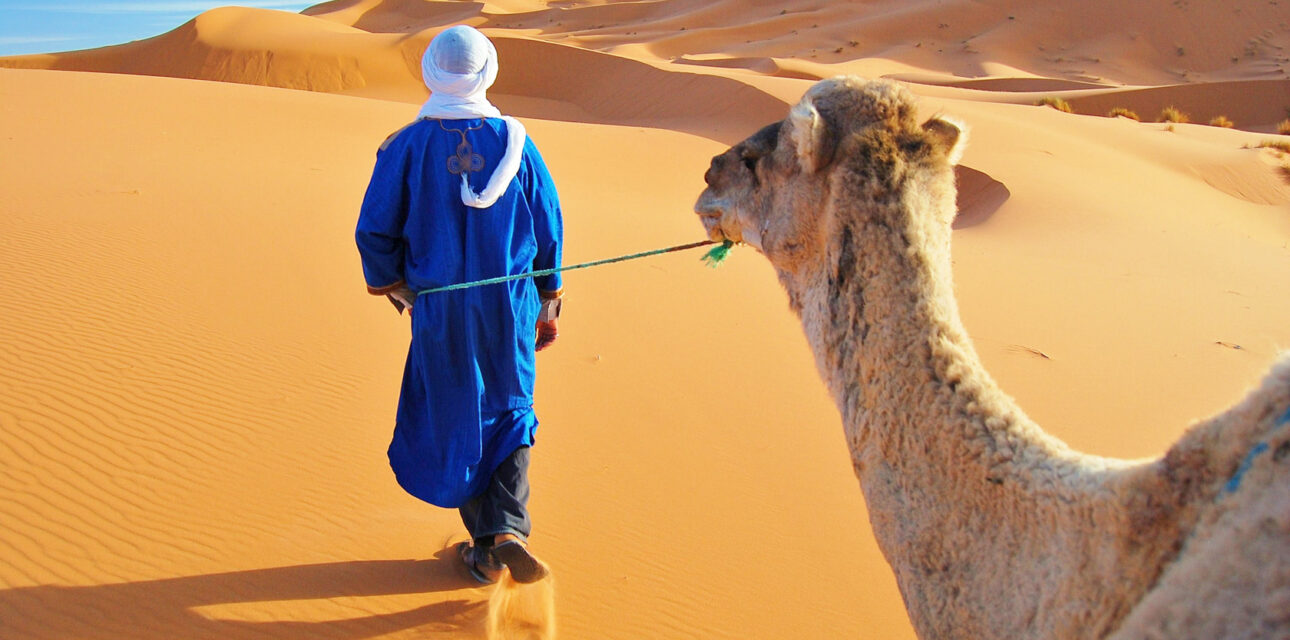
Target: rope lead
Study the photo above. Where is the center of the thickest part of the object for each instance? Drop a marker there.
(713, 258)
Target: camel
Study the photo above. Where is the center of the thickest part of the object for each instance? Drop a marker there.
(993, 528)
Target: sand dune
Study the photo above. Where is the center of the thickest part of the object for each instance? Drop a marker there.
(259, 46)
(196, 392)
(370, 48)
(405, 16)
(1253, 104)
(1009, 53)
(272, 48)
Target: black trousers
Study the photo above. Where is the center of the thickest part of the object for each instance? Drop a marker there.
(503, 506)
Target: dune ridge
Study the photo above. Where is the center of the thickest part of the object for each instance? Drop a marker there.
(370, 48)
(1160, 39)
(273, 48)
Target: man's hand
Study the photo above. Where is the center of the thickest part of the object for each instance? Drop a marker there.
(403, 297)
(547, 332)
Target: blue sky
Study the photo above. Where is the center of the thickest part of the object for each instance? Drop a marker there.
(42, 26)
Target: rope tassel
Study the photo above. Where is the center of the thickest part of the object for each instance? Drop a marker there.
(717, 255)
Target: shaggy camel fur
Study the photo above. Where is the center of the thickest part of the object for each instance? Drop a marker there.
(993, 528)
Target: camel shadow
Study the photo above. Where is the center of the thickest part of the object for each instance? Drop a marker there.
(171, 608)
(979, 196)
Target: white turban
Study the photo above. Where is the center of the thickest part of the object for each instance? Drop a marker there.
(458, 67)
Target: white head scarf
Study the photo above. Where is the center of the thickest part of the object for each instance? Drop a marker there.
(458, 67)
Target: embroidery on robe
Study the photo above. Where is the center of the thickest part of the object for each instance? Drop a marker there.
(466, 160)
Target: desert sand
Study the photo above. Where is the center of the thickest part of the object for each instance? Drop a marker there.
(196, 392)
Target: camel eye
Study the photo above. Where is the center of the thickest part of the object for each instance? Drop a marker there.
(751, 163)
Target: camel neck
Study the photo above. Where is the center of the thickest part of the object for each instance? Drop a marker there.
(881, 318)
(977, 510)
(951, 469)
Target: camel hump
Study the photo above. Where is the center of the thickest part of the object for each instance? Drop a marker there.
(1230, 580)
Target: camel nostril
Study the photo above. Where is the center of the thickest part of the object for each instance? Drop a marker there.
(707, 208)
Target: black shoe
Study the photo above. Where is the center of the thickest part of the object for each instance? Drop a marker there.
(525, 567)
(481, 563)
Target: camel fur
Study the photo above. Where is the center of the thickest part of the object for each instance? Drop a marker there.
(994, 529)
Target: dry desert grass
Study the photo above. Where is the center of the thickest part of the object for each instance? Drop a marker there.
(1056, 103)
(1173, 114)
(1280, 145)
(1121, 112)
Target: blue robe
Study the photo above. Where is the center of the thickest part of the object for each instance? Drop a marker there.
(467, 397)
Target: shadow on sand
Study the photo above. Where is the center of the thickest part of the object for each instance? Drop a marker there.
(168, 609)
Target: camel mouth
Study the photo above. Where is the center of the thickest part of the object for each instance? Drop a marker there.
(711, 215)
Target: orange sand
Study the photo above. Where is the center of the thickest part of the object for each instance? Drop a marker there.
(196, 392)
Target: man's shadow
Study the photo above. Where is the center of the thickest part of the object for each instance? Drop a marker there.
(167, 609)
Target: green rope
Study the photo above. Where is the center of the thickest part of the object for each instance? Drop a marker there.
(713, 258)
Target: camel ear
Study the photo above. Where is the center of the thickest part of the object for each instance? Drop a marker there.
(810, 135)
(948, 134)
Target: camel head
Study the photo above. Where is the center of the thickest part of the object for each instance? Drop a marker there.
(848, 139)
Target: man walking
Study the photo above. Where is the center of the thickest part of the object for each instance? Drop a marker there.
(458, 195)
